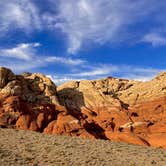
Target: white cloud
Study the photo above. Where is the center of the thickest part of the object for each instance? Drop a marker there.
(117, 71)
(18, 14)
(75, 44)
(88, 21)
(67, 61)
(100, 70)
(139, 78)
(58, 80)
(24, 56)
(23, 51)
(137, 73)
(104, 21)
(21, 66)
(97, 71)
(155, 39)
(84, 22)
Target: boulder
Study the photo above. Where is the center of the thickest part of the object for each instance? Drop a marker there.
(6, 75)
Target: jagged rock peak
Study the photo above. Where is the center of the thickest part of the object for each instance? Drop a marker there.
(161, 75)
(100, 91)
(6, 75)
(31, 87)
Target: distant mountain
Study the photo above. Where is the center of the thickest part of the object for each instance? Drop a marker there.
(111, 108)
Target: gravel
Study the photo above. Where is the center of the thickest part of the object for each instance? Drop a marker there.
(28, 148)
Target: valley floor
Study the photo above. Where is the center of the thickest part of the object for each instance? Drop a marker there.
(27, 148)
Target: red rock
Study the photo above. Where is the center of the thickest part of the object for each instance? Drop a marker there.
(126, 137)
(112, 108)
(23, 122)
(157, 139)
(67, 125)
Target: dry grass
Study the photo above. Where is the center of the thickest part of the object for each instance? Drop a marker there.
(26, 148)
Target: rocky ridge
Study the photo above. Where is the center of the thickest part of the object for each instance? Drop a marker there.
(111, 108)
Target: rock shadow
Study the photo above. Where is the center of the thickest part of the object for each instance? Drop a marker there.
(73, 100)
(34, 89)
(94, 129)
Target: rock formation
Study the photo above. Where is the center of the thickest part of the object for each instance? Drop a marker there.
(126, 110)
(111, 108)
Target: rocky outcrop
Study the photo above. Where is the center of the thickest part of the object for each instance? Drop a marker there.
(6, 75)
(32, 88)
(127, 110)
(111, 108)
(27, 101)
(105, 91)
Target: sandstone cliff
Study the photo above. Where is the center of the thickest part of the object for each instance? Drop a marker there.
(111, 108)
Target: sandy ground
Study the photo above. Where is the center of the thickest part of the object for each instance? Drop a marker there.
(26, 148)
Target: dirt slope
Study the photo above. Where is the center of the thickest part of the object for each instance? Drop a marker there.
(27, 148)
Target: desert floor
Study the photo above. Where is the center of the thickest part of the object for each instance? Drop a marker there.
(34, 149)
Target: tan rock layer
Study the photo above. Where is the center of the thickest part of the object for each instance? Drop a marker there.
(115, 109)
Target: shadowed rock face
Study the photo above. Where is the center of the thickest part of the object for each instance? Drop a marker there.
(6, 75)
(111, 108)
(33, 88)
(127, 110)
(26, 101)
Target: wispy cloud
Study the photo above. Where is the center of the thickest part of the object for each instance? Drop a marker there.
(93, 71)
(96, 70)
(108, 21)
(67, 61)
(137, 73)
(23, 51)
(58, 80)
(25, 56)
(85, 21)
(19, 14)
(155, 39)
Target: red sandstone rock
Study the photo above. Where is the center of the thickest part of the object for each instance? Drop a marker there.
(126, 137)
(113, 109)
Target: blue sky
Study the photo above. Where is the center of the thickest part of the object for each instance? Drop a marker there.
(84, 39)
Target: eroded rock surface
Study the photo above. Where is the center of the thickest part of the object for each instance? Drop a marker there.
(27, 101)
(111, 108)
(126, 110)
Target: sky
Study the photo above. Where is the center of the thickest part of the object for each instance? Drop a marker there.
(84, 39)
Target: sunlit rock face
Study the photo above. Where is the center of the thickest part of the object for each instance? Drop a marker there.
(111, 108)
(125, 110)
(27, 101)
